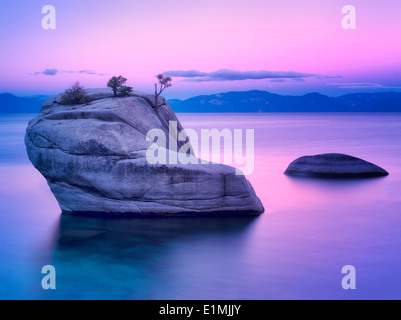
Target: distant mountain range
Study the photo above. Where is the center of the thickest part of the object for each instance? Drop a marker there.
(10, 103)
(262, 101)
(247, 101)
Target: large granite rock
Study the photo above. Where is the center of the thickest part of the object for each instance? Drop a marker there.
(94, 160)
(334, 165)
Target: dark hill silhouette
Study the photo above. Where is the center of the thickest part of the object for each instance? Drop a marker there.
(263, 101)
(10, 103)
(248, 101)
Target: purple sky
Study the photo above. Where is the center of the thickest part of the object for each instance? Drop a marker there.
(287, 47)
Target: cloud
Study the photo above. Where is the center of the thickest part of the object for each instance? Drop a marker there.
(277, 80)
(47, 72)
(50, 72)
(234, 75)
(91, 72)
(361, 85)
(53, 72)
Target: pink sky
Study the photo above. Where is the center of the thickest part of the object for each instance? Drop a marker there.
(139, 39)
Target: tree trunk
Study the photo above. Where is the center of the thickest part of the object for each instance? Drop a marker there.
(156, 97)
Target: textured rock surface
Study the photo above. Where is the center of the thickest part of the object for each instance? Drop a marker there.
(94, 160)
(334, 165)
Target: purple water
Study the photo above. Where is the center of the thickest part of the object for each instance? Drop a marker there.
(311, 228)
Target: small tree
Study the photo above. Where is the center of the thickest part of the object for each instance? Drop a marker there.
(124, 91)
(76, 94)
(118, 87)
(164, 82)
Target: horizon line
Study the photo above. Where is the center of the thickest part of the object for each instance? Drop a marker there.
(387, 90)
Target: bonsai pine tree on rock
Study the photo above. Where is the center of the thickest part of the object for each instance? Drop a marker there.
(118, 87)
(74, 95)
(164, 82)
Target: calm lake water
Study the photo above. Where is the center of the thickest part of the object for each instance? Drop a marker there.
(296, 250)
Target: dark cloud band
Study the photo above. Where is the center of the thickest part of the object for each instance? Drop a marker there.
(53, 72)
(233, 75)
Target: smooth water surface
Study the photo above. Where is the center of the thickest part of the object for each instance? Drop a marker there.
(296, 250)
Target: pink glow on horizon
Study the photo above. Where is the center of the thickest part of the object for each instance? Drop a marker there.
(139, 40)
